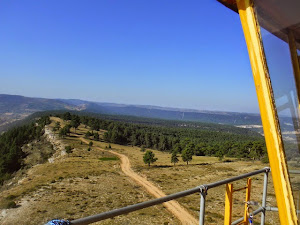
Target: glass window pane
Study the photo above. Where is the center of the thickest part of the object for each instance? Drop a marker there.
(275, 20)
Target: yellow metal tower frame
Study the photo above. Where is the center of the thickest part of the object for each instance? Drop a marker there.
(276, 153)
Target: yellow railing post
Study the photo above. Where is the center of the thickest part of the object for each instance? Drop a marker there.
(229, 201)
(247, 199)
(281, 180)
(228, 204)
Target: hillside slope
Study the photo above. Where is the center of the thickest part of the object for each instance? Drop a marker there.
(16, 107)
(74, 185)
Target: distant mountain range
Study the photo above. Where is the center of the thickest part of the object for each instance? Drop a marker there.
(15, 107)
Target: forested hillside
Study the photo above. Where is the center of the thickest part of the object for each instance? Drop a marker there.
(11, 142)
(199, 138)
(170, 136)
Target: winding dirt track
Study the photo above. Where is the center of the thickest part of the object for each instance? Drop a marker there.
(173, 206)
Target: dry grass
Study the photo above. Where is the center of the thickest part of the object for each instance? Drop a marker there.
(80, 184)
(74, 186)
(201, 170)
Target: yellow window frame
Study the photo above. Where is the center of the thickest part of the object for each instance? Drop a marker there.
(281, 180)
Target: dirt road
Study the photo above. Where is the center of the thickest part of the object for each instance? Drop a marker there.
(173, 206)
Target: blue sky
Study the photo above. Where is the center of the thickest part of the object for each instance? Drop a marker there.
(187, 54)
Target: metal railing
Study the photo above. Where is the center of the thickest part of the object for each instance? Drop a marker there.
(202, 189)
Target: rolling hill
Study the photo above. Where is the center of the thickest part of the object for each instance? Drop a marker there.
(15, 107)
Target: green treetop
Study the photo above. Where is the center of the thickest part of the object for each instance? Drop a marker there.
(149, 157)
(187, 155)
(174, 158)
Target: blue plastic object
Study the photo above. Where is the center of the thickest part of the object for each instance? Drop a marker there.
(58, 222)
(251, 219)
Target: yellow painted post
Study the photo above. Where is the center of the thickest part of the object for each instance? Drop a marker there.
(247, 199)
(281, 181)
(228, 204)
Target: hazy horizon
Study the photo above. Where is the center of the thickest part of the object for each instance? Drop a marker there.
(129, 104)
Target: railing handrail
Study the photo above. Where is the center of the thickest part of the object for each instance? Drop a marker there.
(229, 180)
(142, 205)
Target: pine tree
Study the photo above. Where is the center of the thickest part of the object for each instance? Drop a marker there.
(187, 155)
(174, 158)
(149, 157)
(66, 116)
(75, 122)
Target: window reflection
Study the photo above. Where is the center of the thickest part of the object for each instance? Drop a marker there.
(285, 92)
(278, 56)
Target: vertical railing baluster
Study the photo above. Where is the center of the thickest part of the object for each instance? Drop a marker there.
(203, 192)
(264, 198)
